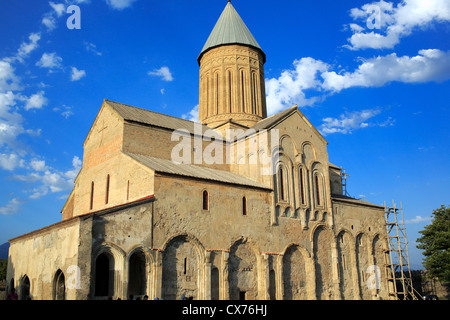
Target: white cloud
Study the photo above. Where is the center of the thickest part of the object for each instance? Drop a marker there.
(65, 111)
(49, 60)
(288, 89)
(418, 219)
(12, 207)
(36, 101)
(49, 22)
(72, 174)
(6, 101)
(57, 11)
(320, 80)
(8, 79)
(38, 165)
(59, 8)
(10, 161)
(120, 4)
(92, 48)
(77, 74)
(350, 121)
(387, 24)
(162, 72)
(27, 47)
(48, 178)
(191, 115)
(10, 121)
(428, 65)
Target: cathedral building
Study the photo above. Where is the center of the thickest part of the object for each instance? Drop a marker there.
(238, 206)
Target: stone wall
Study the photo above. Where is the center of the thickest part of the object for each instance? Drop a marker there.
(35, 258)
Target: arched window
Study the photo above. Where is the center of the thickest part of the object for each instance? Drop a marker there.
(253, 93)
(207, 96)
(92, 195)
(317, 184)
(205, 200)
(24, 292)
(104, 282)
(215, 284)
(217, 93)
(243, 90)
(107, 189)
(230, 93)
(244, 206)
(137, 283)
(272, 286)
(302, 185)
(281, 184)
(59, 286)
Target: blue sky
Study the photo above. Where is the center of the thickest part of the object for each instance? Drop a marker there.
(373, 77)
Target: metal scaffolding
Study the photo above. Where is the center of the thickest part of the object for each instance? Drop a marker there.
(400, 286)
(344, 176)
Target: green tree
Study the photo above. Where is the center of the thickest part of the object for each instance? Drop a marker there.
(435, 242)
(3, 266)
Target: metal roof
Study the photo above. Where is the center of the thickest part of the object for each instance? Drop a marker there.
(156, 119)
(193, 171)
(229, 29)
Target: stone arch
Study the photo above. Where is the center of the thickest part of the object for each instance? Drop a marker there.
(215, 283)
(308, 153)
(243, 270)
(362, 263)
(378, 248)
(294, 273)
(24, 288)
(302, 185)
(107, 270)
(322, 237)
(284, 190)
(287, 146)
(139, 266)
(183, 258)
(59, 286)
(318, 185)
(345, 250)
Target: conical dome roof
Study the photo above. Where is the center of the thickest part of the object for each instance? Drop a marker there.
(229, 29)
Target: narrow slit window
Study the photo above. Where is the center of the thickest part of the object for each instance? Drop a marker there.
(128, 190)
(205, 200)
(229, 92)
(185, 265)
(281, 178)
(217, 93)
(207, 95)
(302, 187)
(280, 173)
(243, 91)
(253, 93)
(92, 196)
(107, 189)
(244, 206)
(317, 190)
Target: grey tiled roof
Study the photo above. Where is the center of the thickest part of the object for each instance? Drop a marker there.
(341, 197)
(193, 171)
(148, 117)
(267, 123)
(229, 29)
